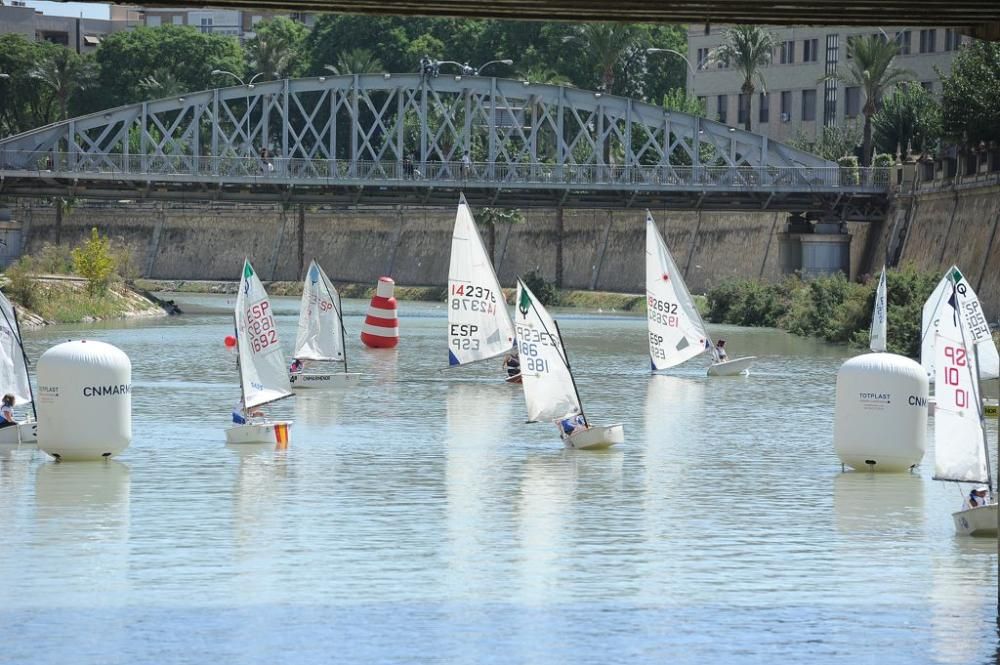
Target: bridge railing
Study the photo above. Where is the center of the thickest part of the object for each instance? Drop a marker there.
(401, 173)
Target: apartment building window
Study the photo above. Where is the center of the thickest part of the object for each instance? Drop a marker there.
(927, 85)
(952, 40)
(721, 105)
(810, 50)
(830, 84)
(852, 102)
(787, 53)
(927, 40)
(743, 110)
(786, 105)
(723, 63)
(808, 105)
(177, 20)
(206, 24)
(153, 21)
(763, 116)
(702, 57)
(903, 40)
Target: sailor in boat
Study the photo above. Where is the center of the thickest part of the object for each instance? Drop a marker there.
(297, 366)
(720, 351)
(571, 424)
(979, 496)
(7, 411)
(240, 414)
(512, 363)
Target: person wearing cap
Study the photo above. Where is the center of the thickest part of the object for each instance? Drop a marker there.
(720, 351)
(980, 496)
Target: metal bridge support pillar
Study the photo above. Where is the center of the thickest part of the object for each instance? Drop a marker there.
(815, 248)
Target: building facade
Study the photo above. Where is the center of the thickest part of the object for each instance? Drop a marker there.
(83, 35)
(233, 22)
(797, 102)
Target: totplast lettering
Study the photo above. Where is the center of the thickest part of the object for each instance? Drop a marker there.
(104, 391)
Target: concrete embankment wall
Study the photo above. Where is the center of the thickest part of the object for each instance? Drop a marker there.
(600, 250)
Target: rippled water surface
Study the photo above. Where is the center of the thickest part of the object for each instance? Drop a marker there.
(416, 518)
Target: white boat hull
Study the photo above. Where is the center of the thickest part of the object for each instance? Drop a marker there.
(304, 381)
(981, 521)
(268, 431)
(732, 367)
(22, 434)
(595, 437)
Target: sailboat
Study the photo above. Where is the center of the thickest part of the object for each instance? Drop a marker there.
(263, 376)
(479, 325)
(676, 330)
(954, 297)
(549, 388)
(320, 336)
(961, 452)
(14, 375)
(878, 334)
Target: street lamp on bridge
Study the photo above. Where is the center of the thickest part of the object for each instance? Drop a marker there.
(677, 53)
(467, 69)
(249, 86)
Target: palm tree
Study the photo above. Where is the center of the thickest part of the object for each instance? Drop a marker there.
(610, 44)
(356, 61)
(65, 73)
(162, 83)
(277, 48)
(748, 48)
(870, 68)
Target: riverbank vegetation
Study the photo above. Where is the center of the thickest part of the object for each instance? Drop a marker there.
(89, 282)
(831, 308)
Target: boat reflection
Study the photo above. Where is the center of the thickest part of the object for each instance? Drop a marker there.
(883, 504)
(962, 595)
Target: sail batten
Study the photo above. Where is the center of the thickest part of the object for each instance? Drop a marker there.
(263, 375)
(479, 325)
(545, 375)
(676, 331)
(878, 333)
(320, 332)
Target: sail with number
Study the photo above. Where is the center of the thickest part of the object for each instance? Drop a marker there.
(479, 326)
(321, 326)
(959, 444)
(13, 371)
(676, 331)
(954, 297)
(879, 314)
(263, 375)
(548, 385)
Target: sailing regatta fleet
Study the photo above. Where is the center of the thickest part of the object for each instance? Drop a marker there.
(957, 351)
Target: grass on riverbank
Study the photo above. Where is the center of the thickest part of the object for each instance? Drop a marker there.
(831, 308)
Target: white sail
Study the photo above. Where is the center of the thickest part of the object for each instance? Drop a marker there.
(13, 372)
(676, 331)
(262, 365)
(320, 334)
(879, 315)
(952, 297)
(959, 447)
(479, 326)
(548, 385)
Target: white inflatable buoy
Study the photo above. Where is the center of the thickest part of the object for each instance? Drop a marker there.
(880, 423)
(84, 400)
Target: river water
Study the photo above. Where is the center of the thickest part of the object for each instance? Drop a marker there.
(416, 518)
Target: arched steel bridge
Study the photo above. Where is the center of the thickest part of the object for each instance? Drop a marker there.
(402, 138)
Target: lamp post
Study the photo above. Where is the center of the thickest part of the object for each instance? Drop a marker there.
(505, 61)
(677, 53)
(468, 70)
(4, 76)
(249, 87)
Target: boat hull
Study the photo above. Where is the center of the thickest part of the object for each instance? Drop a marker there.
(269, 431)
(732, 367)
(513, 379)
(980, 521)
(21, 434)
(321, 381)
(595, 437)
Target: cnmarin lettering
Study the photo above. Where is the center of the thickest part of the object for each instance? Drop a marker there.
(101, 391)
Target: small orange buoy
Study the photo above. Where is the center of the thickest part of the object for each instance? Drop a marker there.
(381, 327)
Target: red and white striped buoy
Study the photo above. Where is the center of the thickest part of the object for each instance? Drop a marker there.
(381, 327)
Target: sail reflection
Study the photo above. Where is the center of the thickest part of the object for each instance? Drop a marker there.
(962, 595)
(878, 503)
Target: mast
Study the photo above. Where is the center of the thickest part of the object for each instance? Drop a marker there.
(239, 367)
(340, 315)
(974, 366)
(20, 343)
(565, 358)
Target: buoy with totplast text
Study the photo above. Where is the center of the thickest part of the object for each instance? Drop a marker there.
(381, 327)
(84, 400)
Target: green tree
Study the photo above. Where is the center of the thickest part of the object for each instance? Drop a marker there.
(24, 104)
(355, 61)
(95, 261)
(909, 117)
(678, 100)
(277, 49)
(126, 59)
(162, 83)
(748, 48)
(870, 67)
(610, 44)
(970, 103)
(832, 143)
(490, 218)
(64, 73)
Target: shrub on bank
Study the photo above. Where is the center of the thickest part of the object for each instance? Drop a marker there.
(831, 308)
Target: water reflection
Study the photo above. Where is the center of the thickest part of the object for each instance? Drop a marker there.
(867, 504)
(962, 597)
